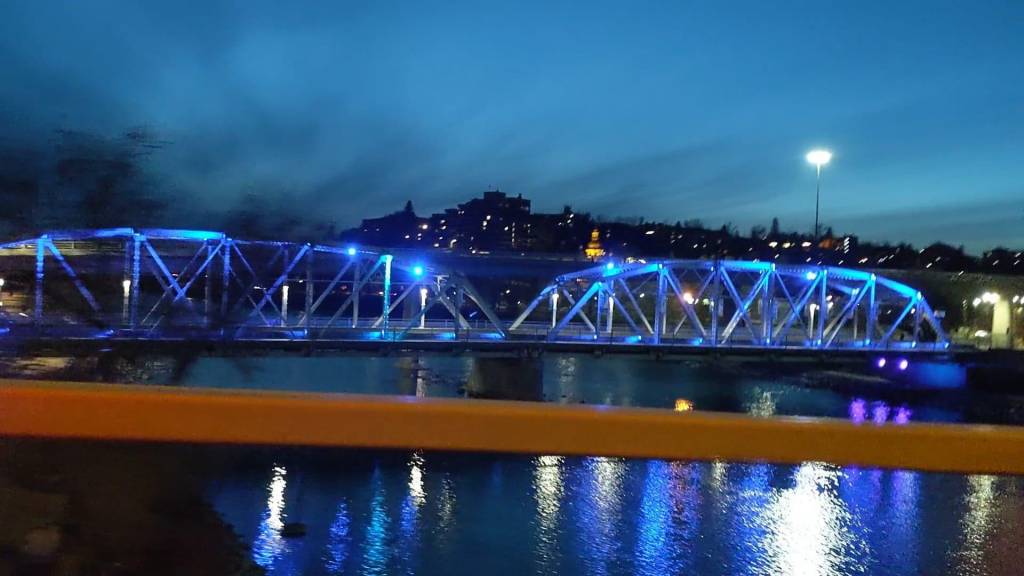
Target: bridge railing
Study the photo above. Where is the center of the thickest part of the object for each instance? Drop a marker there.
(159, 414)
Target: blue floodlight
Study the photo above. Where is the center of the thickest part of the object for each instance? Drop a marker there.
(417, 270)
(351, 251)
(811, 275)
(609, 266)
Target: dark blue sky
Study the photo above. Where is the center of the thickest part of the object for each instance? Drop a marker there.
(668, 110)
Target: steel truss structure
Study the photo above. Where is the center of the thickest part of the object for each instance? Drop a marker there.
(159, 283)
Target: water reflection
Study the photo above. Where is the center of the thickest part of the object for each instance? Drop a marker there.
(763, 405)
(547, 494)
(600, 512)
(375, 546)
(668, 518)
(416, 493)
(652, 547)
(338, 541)
(438, 515)
(269, 544)
(880, 412)
(978, 522)
(808, 525)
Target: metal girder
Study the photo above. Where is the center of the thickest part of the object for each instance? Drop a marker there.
(577, 308)
(749, 293)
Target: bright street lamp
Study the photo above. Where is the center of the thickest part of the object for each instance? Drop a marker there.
(819, 158)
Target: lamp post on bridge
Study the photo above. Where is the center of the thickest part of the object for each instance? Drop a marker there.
(819, 158)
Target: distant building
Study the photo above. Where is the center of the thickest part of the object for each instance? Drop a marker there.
(492, 222)
(594, 250)
(402, 228)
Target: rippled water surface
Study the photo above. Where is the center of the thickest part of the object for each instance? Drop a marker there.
(445, 514)
(434, 514)
(378, 513)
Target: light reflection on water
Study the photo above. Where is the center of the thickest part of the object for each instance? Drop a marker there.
(270, 545)
(560, 515)
(547, 492)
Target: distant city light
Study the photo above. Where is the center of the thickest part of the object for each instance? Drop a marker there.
(688, 298)
(990, 297)
(880, 363)
(819, 157)
(683, 405)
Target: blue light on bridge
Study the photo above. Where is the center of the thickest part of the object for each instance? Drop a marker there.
(811, 275)
(351, 251)
(903, 363)
(417, 270)
(880, 362)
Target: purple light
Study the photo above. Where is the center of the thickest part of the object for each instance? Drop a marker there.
(880, 363)
(903, 364)
(879, 413)
(858, 411)
(902, 415)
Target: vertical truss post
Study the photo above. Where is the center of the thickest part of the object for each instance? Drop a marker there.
(460, 300)
(207, 289)
(716, 300)
(554, 309)
(768, 308)
(611, 307)
(133, 312)
(660, 306)
(40, 260)
(309, 290)
(225, 278)
(819, 337)
(355, 291)
(602, 298)
(284, 287)
(918, 313)
(387, 293)
(871, 326)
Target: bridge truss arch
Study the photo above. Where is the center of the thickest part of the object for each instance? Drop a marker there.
(143, 284)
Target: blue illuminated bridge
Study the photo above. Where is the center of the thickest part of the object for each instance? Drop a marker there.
(158, 285)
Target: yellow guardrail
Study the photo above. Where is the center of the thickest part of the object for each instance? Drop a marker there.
(165, 414)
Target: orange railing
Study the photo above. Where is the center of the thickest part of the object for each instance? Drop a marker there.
(164, 414)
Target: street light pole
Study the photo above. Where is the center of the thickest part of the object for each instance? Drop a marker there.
(817, 203)
(819, 158)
